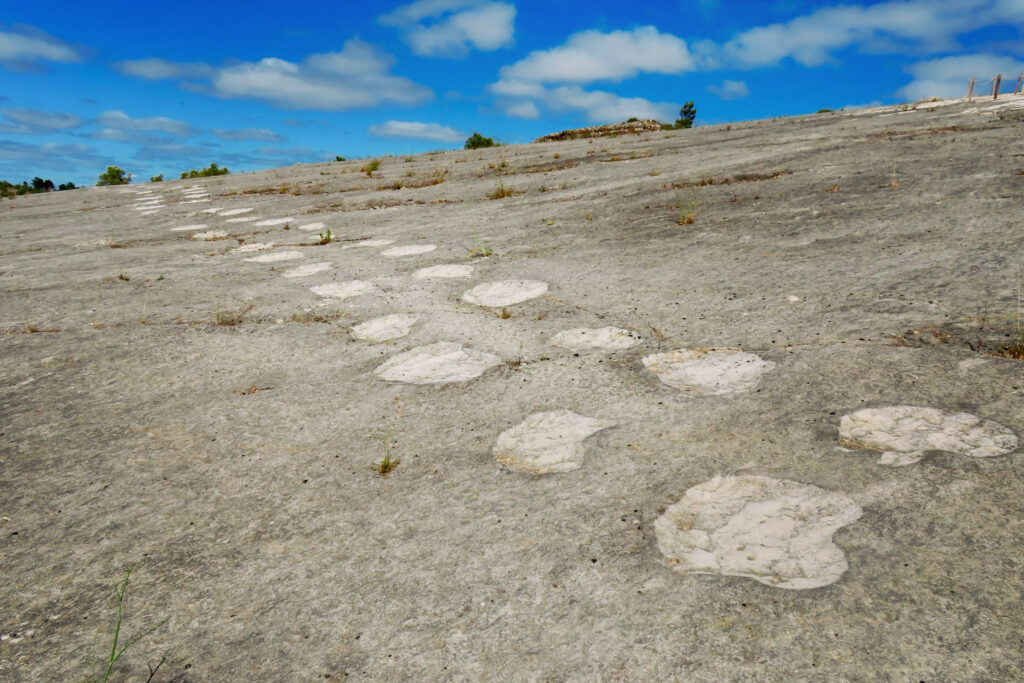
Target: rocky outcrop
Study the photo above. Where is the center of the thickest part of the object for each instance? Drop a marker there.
(612, 129)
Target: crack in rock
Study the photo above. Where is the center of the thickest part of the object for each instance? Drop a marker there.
(776, 532)
(547, 442)
(905, 433)
(591, 339)
(385, 328)
(713, 372)
(505, 292)
(437, 363)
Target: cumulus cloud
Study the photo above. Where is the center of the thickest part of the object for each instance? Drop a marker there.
(729, 90)
(35, 122)
(22, 47)
(118, 120)
(453, 26)
(948, 76)
(358, 76)
(523, 110)
(415, 129)
(605, 107)
(593, 56)
(155, 68)
(261, 134)
(896, 26)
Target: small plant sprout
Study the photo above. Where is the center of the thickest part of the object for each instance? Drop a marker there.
(687, 211)
(370, 167)
(116, 653)
(894, 183)
(480, 249)
(326, 236)
(505, 314)
(388, 464)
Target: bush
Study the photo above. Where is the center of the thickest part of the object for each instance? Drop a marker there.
(477, 141)
(37, 185)
(67, 186)
(211, 170)
(114, 176)
(157, 178)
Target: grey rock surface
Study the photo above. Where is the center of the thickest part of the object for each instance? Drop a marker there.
(168, 406)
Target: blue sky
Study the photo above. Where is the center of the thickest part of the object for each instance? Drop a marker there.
(161, 88)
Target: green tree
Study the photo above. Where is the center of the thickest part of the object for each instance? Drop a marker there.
(114, 176)
(477, 141)
(67, 186)
(212, 170)
(157, 178)
(686, 116)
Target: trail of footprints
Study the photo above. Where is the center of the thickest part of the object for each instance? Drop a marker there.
(776, 532)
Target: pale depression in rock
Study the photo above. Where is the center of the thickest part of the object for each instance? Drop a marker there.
(369, 243)
(210, 235)
(713, 372)
(274, 221)
(444, 271)
(183, 228)
(436, 364)
(243, 219)
(234, 212)
(773, 531)
(276, 257)
(590, 339)
(411, 250)
(312, 226)
(547, 442)
(505, 292)
(255, 246)
(308, 269)
(343, 290)
(905, 433)
(385, 328)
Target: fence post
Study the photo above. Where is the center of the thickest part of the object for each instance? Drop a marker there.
(970, 88)
(995, 86)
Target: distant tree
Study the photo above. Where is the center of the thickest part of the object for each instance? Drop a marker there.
(67, 186)
(477, 141)
(631, 119)
(338, 157)
(157, 178)
(114, 176)
(211, 170)
(686, 116)
(40, 185)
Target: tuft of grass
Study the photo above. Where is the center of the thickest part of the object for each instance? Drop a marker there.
(387, 465)
(500, 192)
(231, 318)
(115, 652)
(687, 211)
(505, 314)
(370, 167)
(480, 249)
(326, 237)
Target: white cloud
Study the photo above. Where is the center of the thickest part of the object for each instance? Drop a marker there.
(357, 77)
(247, 134)
(592, 55)
(118, 120)
(605, 107)
(33, 121)
(170, 150)
(523, 110)
(907, 26)
(155, 68)
(22, 46)
(948, 76)
(415, 129)
(730, 90)
(133, 136)
(456, 26)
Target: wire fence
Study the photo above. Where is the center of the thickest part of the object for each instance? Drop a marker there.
(996, 82)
